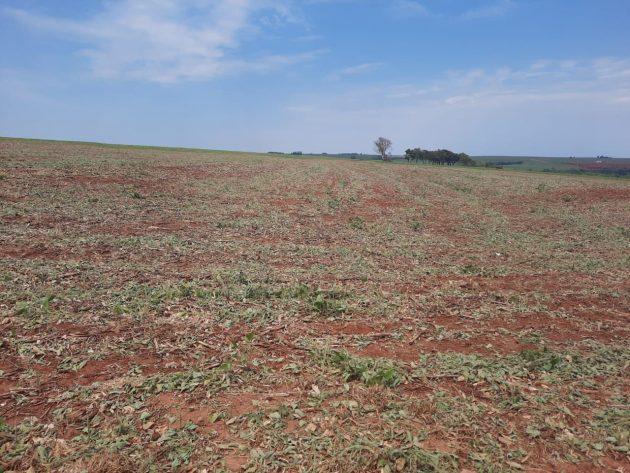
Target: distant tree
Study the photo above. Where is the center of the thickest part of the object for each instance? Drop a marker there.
(416, 155)
(382, 146)
(440, 156)
(466, 160)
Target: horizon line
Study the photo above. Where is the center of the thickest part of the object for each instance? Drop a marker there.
(305, 153)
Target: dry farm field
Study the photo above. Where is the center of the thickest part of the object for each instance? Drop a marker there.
(167, 309)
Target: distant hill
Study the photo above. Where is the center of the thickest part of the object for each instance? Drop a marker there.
(602, 165)
(597, 165)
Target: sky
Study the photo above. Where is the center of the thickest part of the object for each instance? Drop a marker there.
(485, 77)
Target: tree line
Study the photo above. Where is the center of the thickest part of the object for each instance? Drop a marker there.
(439, 156)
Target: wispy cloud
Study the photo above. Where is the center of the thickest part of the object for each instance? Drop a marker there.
(605, 79)
(355, 70)
(408, 8)
(482, 108)
(492, 10)
(171, 40)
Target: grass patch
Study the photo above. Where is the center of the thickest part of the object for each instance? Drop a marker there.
(369, 371)
(408, 457)
(550, 365)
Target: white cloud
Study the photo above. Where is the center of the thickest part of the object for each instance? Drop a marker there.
(496, 9)
(355, 70)
(170, 40)
(407, 8)
(407, 91)
(603, 77)
(361, 68)
(550, 106)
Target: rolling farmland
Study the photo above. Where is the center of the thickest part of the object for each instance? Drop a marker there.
(218, 311)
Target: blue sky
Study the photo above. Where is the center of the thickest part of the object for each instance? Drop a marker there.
(545, 77)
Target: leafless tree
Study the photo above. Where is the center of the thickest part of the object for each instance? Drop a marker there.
(382, 145)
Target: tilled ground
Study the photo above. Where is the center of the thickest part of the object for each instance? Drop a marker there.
(188, 310)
